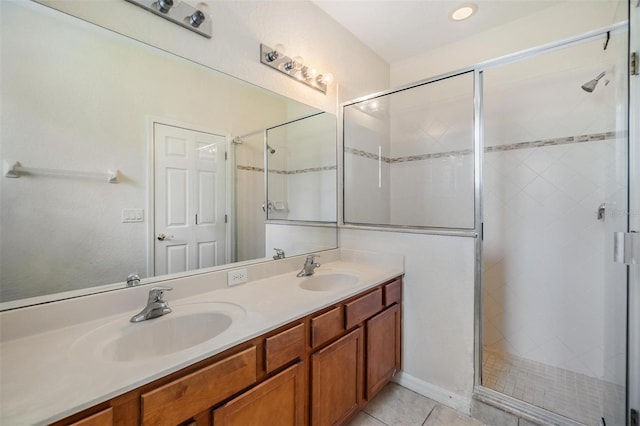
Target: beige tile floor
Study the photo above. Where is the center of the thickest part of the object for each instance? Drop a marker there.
(564, 392)
(398, 406)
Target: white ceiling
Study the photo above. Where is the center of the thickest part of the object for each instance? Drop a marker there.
(399, 29)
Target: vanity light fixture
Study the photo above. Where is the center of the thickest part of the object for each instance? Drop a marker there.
(179, 12)
(463, 12)
(294, 67)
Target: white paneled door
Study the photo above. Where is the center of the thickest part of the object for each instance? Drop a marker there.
(189, 189)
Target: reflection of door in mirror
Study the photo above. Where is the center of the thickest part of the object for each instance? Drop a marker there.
(190, 199)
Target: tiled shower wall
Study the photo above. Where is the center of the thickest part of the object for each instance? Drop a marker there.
(553, 154)
(545, 254)
(409, 157)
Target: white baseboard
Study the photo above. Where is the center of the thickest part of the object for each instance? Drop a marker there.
(443, 396)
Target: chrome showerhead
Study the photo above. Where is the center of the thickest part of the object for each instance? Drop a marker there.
(590, 85)
(271, 150)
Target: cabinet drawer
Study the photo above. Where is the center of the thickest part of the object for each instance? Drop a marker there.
(284, 347)
(392, 292)
(326, 326)
(103, 418)
(183, 398)
(360, 309)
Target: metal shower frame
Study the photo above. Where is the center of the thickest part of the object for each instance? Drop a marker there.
(480, 392)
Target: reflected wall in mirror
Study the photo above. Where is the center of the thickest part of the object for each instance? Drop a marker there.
(76, 97)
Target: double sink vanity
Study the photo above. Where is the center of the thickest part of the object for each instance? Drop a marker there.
(278, 349)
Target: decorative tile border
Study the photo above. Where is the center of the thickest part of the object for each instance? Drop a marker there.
(361, 153)
(287, 172)
(557, 141)
(430, 156)
(508, 147)
(250, 168)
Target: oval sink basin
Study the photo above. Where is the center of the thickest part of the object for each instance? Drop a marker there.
(187, 326)
(329, 282)
(174, 334)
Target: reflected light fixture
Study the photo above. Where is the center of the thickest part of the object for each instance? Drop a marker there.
(463, 12)
(181, 13)
(294, 67)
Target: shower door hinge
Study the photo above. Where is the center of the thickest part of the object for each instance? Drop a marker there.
(626, 247)
(226, 218)
(633, 64)
(225, 155)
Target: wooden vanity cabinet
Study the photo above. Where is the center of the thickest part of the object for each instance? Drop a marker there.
(337, 380)
(318, 370)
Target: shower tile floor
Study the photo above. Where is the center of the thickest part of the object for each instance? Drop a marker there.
(573, 395)
(398, 406)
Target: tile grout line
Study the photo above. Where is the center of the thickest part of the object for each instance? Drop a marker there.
(374, 417)
(429, 415)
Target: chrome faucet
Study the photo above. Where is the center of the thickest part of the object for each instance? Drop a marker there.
(156, 306)
(133, 280)
(279, 254)
(309, 266)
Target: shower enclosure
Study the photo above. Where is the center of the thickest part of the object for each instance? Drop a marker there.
(554, 192)
(530, 153)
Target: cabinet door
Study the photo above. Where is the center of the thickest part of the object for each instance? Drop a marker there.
(383, 349)
(337, 380)
(278, 400)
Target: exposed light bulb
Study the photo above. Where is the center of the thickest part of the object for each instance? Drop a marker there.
(328, 78)
(310, 72)
(298, 62)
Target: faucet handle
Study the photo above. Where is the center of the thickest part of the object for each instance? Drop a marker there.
(157, 293)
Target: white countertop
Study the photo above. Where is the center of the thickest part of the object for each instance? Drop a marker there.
(46, 376)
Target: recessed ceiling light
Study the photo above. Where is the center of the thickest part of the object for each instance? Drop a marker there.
(463, 12)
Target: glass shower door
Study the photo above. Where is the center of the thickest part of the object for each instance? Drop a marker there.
(555, 190)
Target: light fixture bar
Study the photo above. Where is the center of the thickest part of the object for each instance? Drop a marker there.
(279, 62)
(182, 14)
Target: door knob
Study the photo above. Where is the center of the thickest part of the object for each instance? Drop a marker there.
(162, 237)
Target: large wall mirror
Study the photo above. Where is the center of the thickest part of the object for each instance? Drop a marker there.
(80, 103)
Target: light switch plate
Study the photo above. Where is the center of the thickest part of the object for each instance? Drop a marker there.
(132, 215)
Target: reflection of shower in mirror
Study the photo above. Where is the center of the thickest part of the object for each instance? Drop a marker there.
(591, 84)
